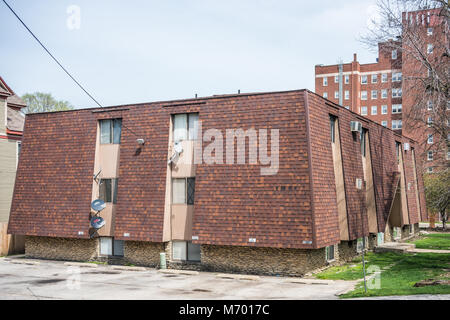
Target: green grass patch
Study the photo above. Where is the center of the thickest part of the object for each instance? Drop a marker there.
(354, 269)
(436, 241)
(411, 268)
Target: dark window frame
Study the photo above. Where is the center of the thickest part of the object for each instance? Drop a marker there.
(114, 138)
(113, 185)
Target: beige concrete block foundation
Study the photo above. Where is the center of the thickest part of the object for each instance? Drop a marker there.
(61, 248)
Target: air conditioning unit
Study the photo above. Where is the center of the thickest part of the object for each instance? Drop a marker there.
(356, 126)
(406, 146)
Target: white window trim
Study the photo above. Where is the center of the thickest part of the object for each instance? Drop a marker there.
(364, 114)
(17, 152)
(374, 108)
(362, 95)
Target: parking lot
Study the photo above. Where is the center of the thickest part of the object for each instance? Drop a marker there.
(41, 279)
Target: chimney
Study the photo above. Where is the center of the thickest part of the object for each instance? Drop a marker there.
(355, 58)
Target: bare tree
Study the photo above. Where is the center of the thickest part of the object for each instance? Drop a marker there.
(420, 30)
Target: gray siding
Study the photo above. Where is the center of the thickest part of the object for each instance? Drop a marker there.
(8, 152)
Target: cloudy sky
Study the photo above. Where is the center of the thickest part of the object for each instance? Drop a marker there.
(139, 51)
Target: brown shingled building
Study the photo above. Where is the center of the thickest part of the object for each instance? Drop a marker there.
(338, 178)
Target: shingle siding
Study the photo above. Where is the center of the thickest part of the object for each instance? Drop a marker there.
(232, 202)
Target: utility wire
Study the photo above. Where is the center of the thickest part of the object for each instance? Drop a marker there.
(56, 60)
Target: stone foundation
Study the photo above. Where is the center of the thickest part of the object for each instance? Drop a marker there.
(143, 253)
(234, 259)
(254, 260)
(347, 250)
(61, 248)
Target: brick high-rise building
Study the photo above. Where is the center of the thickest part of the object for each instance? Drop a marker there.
(386, 91)
(373, 90)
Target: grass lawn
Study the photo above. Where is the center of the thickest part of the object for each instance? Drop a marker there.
(399, 273)
(437, 241)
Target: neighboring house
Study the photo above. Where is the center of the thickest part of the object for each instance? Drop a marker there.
(11, 127)
(333, 184)
(378, 92)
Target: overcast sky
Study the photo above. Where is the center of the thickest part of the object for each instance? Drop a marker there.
(140, 51)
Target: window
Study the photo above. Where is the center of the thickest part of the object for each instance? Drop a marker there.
(384, 109)
(364, 111)
(430, 139)
(429, 48)
(110, 131)
(108, 190)
(363, 141)
(384, 77)
(430, 105)
(19, 148)
(363, 95)
(430, 121)
(396, 108)
(394, 54)
(374, 110)
(333, 128)
(329, 252)
(374, 94)
(363, 79)
(374, 78)
(347, 107)
(384, 123)
(396, 124)
(325, 95)
(396, 93)
(185, 126)
(430, 31)
(398, 147)
(325, 81)
(347, 95)
(430, 155)
(347, 79)
(185, 251)
(448, 154)
(336, 79)
(183, 191)
(430, 169)
(396, 76)
(336, 94)
(111, 247)
(384, 94)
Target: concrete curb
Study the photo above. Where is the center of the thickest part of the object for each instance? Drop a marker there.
(127, 268)
(28, 262)
(237, 276)
(176, 271)
(310, 281)
(81, 264)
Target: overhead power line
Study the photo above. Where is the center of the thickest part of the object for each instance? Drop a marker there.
(51, 55)
(56, 60)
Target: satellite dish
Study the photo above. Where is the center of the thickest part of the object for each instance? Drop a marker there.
(178, 148)
(97, 222)
(98, 205)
